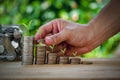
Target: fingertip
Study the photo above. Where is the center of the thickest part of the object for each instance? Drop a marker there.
(37, 36)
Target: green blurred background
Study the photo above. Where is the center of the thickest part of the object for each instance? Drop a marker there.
(43, 11)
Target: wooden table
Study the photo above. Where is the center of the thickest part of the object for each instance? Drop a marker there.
(101, 69)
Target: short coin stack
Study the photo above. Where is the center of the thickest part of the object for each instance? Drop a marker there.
(27, 55)
(52, 58)
(63, 60)
(40, 56)
(75, 61)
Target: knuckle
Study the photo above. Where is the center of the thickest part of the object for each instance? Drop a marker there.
(56, 39)
(57, 20)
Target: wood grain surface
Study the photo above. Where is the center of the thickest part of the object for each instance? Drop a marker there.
(101, 69)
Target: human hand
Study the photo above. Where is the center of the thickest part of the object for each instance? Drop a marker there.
(75, 37)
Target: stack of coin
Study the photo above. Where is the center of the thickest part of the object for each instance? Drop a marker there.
(52, 58)
(63, 60)
(75, 61)
(41, 55)
(27, 54)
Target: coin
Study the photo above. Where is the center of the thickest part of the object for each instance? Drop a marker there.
(51, 62)
(27, 63)
(28, 38)
(1, 49)
(27, 59)
(38, 63)
(26, 44)
(11, 56)
(86, 62)
(40, 53)
(40, 60)
(41, 48)
(63, 62)
(27, 52)
(52, 54)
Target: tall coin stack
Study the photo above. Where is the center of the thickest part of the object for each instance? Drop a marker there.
(63, 60)
(75, 61)
(40, 54)
(27, 54)
(52, 58)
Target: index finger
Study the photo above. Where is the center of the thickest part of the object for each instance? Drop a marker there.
(45, 29)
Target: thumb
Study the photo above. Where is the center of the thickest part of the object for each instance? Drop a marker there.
(56, 38)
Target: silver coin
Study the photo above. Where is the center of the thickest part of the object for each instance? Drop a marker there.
(27, 46)
(27, 50)
(28, 38)
(40, 53)
(51, 62)
(52, 58)
(63, 58)
(63, 62)
(1, 49)
(42, 50)
(28, 41)
(86, 62)
(11, 56)
(40, 63)
(27, 53)
(27, 59)
(40, 60)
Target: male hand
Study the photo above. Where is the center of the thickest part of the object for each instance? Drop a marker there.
(75, 37)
